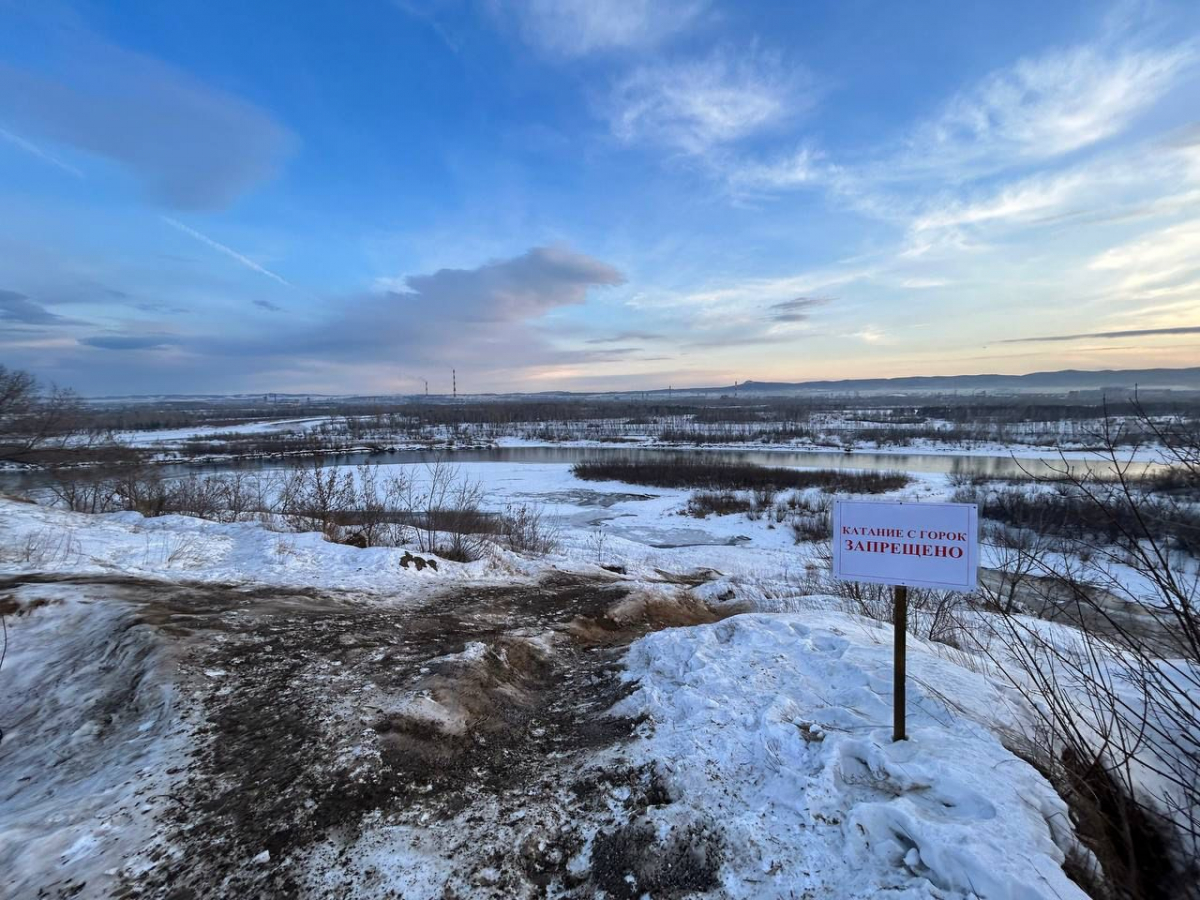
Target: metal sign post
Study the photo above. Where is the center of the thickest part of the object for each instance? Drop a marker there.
(905, 545)
(900, 630)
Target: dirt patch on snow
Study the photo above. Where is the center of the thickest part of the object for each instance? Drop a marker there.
(460, 749)
(634, 616)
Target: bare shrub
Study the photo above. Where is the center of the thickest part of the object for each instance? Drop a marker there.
(721, 503)
(47, 546)
(1118, 699)
(446, 513)
(377, 506)
(596, 543)
(198, 496)
(807, 515)
(933, 615)
(1086, 504)
(83, 492)
(1016, 553)
(965, 479)
(525, 529)
(316, 498)
(242, 495)
(808, 527)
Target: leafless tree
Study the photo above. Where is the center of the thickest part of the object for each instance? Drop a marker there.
(34, 418)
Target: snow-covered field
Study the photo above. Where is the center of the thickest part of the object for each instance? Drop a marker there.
(172, 437)
(839, 431)
(748, 752)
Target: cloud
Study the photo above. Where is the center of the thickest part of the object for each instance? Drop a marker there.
(1137, 332)
(154, 307)
(1152, 179)
(1047, 106)
(190, 146)
(1024, 201)
(228, 251)
(18, 308)
(480, 319)
(1153, 260)
(696, 105)
(736, 318)
(1038, 109)
(129, 341)
(1024, 116)
(576, 28)
(742, 336)
(797, 310)
(803, 168)
(1161, 266)
(744, 299)
(627, 336)
(871, 334)
(509, 290)
(267, 305)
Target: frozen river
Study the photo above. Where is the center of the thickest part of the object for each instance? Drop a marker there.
(998, 466)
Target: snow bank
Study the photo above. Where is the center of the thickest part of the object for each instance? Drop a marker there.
(90, 723)
(49, 540)
(776, 729)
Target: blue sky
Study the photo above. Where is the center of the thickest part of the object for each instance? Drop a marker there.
(591, 194)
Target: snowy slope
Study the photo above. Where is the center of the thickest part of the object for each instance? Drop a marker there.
(771, 731)
(44, 539)
(776, 728)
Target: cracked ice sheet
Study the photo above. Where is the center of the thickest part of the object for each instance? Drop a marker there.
(777, 729)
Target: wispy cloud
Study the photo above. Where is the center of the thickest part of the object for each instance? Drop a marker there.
(797, 310)
(129, 341)
(228, 251)
(575, 28)
(1039, 109)
(1135, 332)
(1153, 260)
(1046, 106)
(1150, 180)
(802, 168)
(627, 336)
(746, 298)
(696, 105)
(1023, 201)
(34, 150)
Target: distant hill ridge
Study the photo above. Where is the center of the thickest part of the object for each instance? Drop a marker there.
(1187, 379)
(1066, 379)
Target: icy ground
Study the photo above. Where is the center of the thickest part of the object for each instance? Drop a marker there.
(211, 710)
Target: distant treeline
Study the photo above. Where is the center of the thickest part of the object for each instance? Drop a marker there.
(658, 410)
